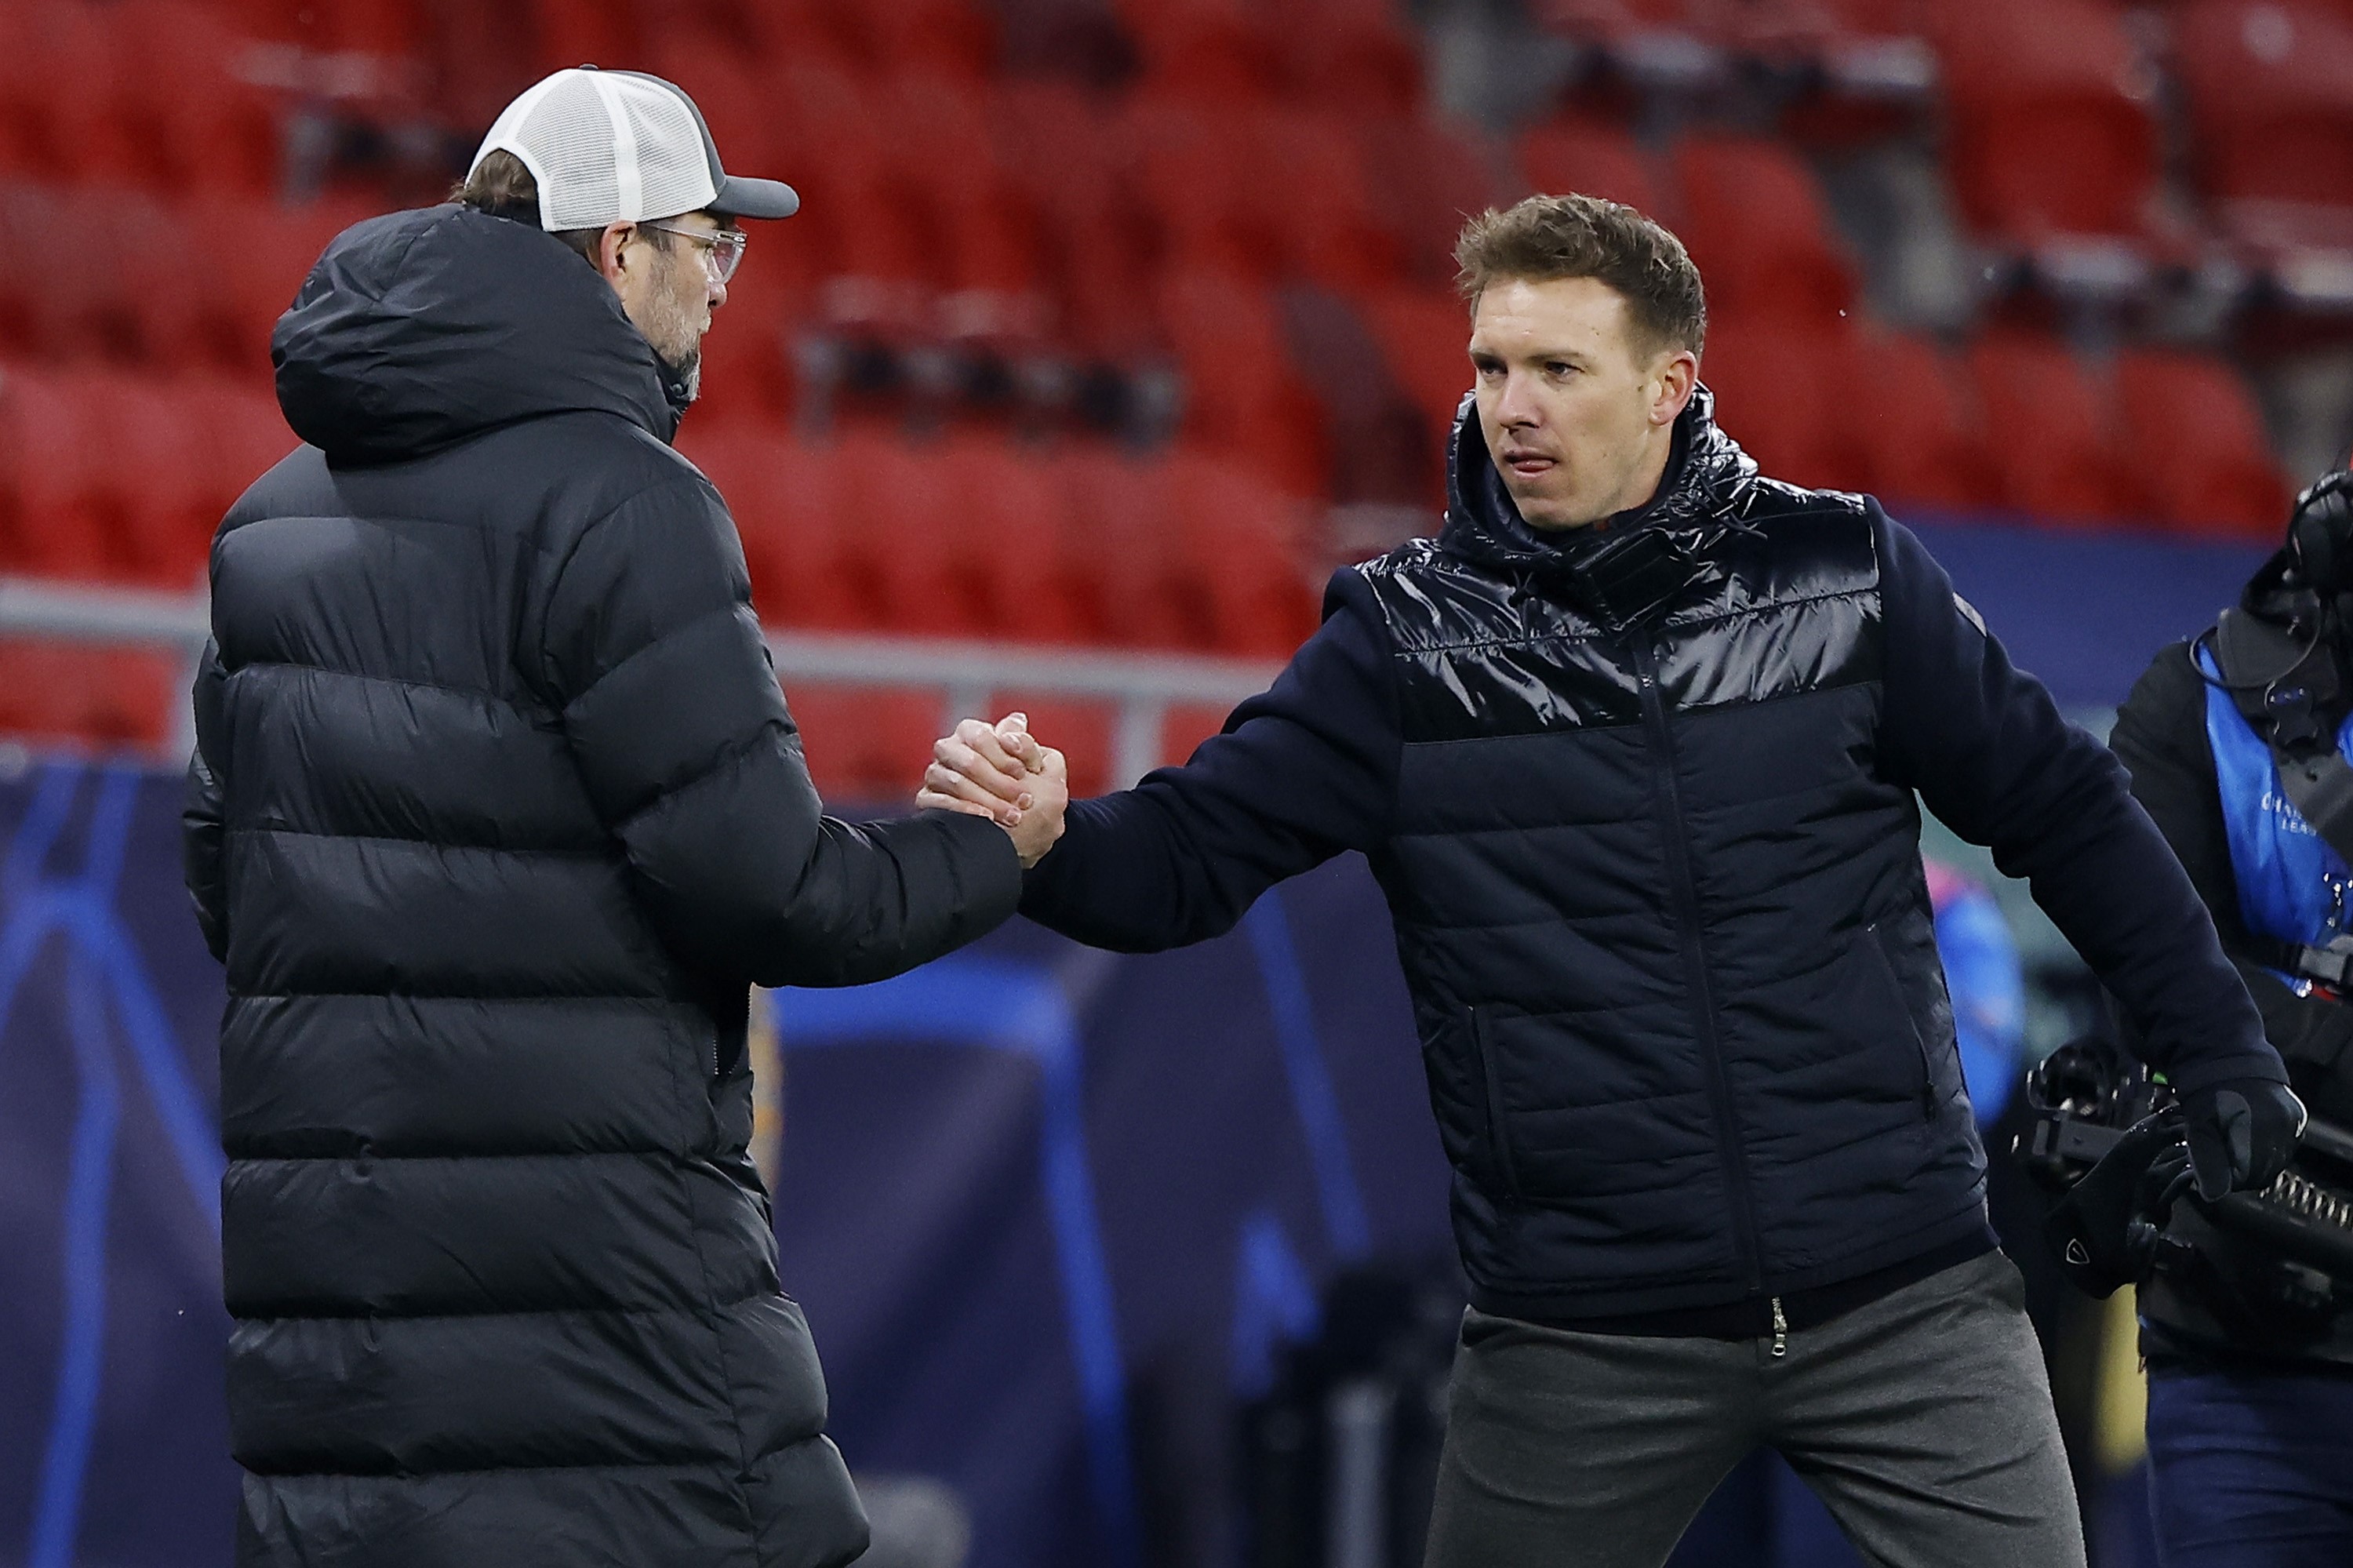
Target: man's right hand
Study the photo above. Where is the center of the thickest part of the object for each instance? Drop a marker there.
(999, 771)
(2241, 1133)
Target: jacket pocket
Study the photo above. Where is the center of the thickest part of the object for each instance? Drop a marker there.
(1885, 964)
(1504, 1169)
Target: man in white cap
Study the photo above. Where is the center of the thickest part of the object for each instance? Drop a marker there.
(496, 813)
(620, 167)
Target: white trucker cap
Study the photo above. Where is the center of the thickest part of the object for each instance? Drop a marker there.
(618, 147)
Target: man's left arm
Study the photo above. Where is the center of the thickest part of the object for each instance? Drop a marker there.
(1988, 750)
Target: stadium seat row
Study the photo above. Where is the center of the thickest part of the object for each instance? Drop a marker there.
(110, 476)
(149, 93)
(863, 744)
(2265, 89)
(967, 535)
(113, 477)
(108, 698)
(2016, 421)
(176, 285)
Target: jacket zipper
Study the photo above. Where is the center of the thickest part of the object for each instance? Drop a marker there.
(714, 1055)
(1499, 1137)
(1780, 1330)
(1685, 892)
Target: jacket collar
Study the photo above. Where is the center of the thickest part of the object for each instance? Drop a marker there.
(1700, 491)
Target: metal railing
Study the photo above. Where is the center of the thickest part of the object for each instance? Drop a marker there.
(1140, 687)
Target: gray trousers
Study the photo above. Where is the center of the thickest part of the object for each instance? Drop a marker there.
(1923, 1420)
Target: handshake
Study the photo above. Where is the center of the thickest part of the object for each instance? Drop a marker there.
(1002, 773)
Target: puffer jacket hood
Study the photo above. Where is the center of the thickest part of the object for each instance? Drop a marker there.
(421, 329)
(1707, 475)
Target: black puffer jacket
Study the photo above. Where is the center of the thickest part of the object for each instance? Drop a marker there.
(1657, 886)
(496, 811)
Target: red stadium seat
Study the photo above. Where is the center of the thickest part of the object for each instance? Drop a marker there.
(2270, 89)
(1128, 539)
(949, 37)
(1423, 335)
(1199, 169)
(1010, 506)
(1185, 728)
(916, 528)
(1923, 432)
(741, 462)
(878, 229)
(2051, 430)
(795, 506)
(1061, 161)
(199, 125)
(24, 121)
(115, 476)
(103, 698)
(1779, 388)
(2052, 133)
(63, 489)
(990, 235)
(367, 26)
(2193, 435)
(1361, 56)
(168, 499)
(70, 125)
(256, 254)
(1437, 175)
(1758, 226)
(1244, 398)
(746, 377)
(1607, 20)
(1325, 211)
(52, 311)
(1883, 18)
(1241, 537)
(1205, 51)
(835, 542)
(866, 745)
(737, 99)
(242, 431)
(1590, 158)
(577, 32)
(1080, 728)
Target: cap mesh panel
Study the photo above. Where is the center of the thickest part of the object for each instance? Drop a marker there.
(567, 137)
(669, 154)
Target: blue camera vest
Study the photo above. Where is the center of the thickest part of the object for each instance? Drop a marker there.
(2292, 886)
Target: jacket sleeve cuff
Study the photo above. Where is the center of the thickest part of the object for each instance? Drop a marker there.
(979, 865)
(2262, 1062)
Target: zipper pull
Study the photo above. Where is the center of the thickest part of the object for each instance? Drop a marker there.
(1780, 1330)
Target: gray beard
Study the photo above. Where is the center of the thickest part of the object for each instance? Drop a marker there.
(682, 379)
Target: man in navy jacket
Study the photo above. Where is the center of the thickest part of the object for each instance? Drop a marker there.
(1635, 748)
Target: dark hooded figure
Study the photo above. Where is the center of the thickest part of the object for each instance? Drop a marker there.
(496, 813)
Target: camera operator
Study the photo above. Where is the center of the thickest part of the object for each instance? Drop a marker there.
(2236, 742)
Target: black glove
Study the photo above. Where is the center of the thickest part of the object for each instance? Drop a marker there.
(2110, 1227)
(2241, 1131)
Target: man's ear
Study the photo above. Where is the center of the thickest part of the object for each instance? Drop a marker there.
(611, 246)
(1675, 377)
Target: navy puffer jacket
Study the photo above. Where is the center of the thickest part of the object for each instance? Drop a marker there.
(1656, 881)
(497, 813)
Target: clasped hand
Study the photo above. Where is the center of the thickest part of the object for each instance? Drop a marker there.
(999, 771)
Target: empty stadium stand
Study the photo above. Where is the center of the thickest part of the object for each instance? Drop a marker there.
(1097, 303)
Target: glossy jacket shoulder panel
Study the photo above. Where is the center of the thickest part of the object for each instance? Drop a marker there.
(1787, 604)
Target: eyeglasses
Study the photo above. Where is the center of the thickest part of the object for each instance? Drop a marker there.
(722, 251)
